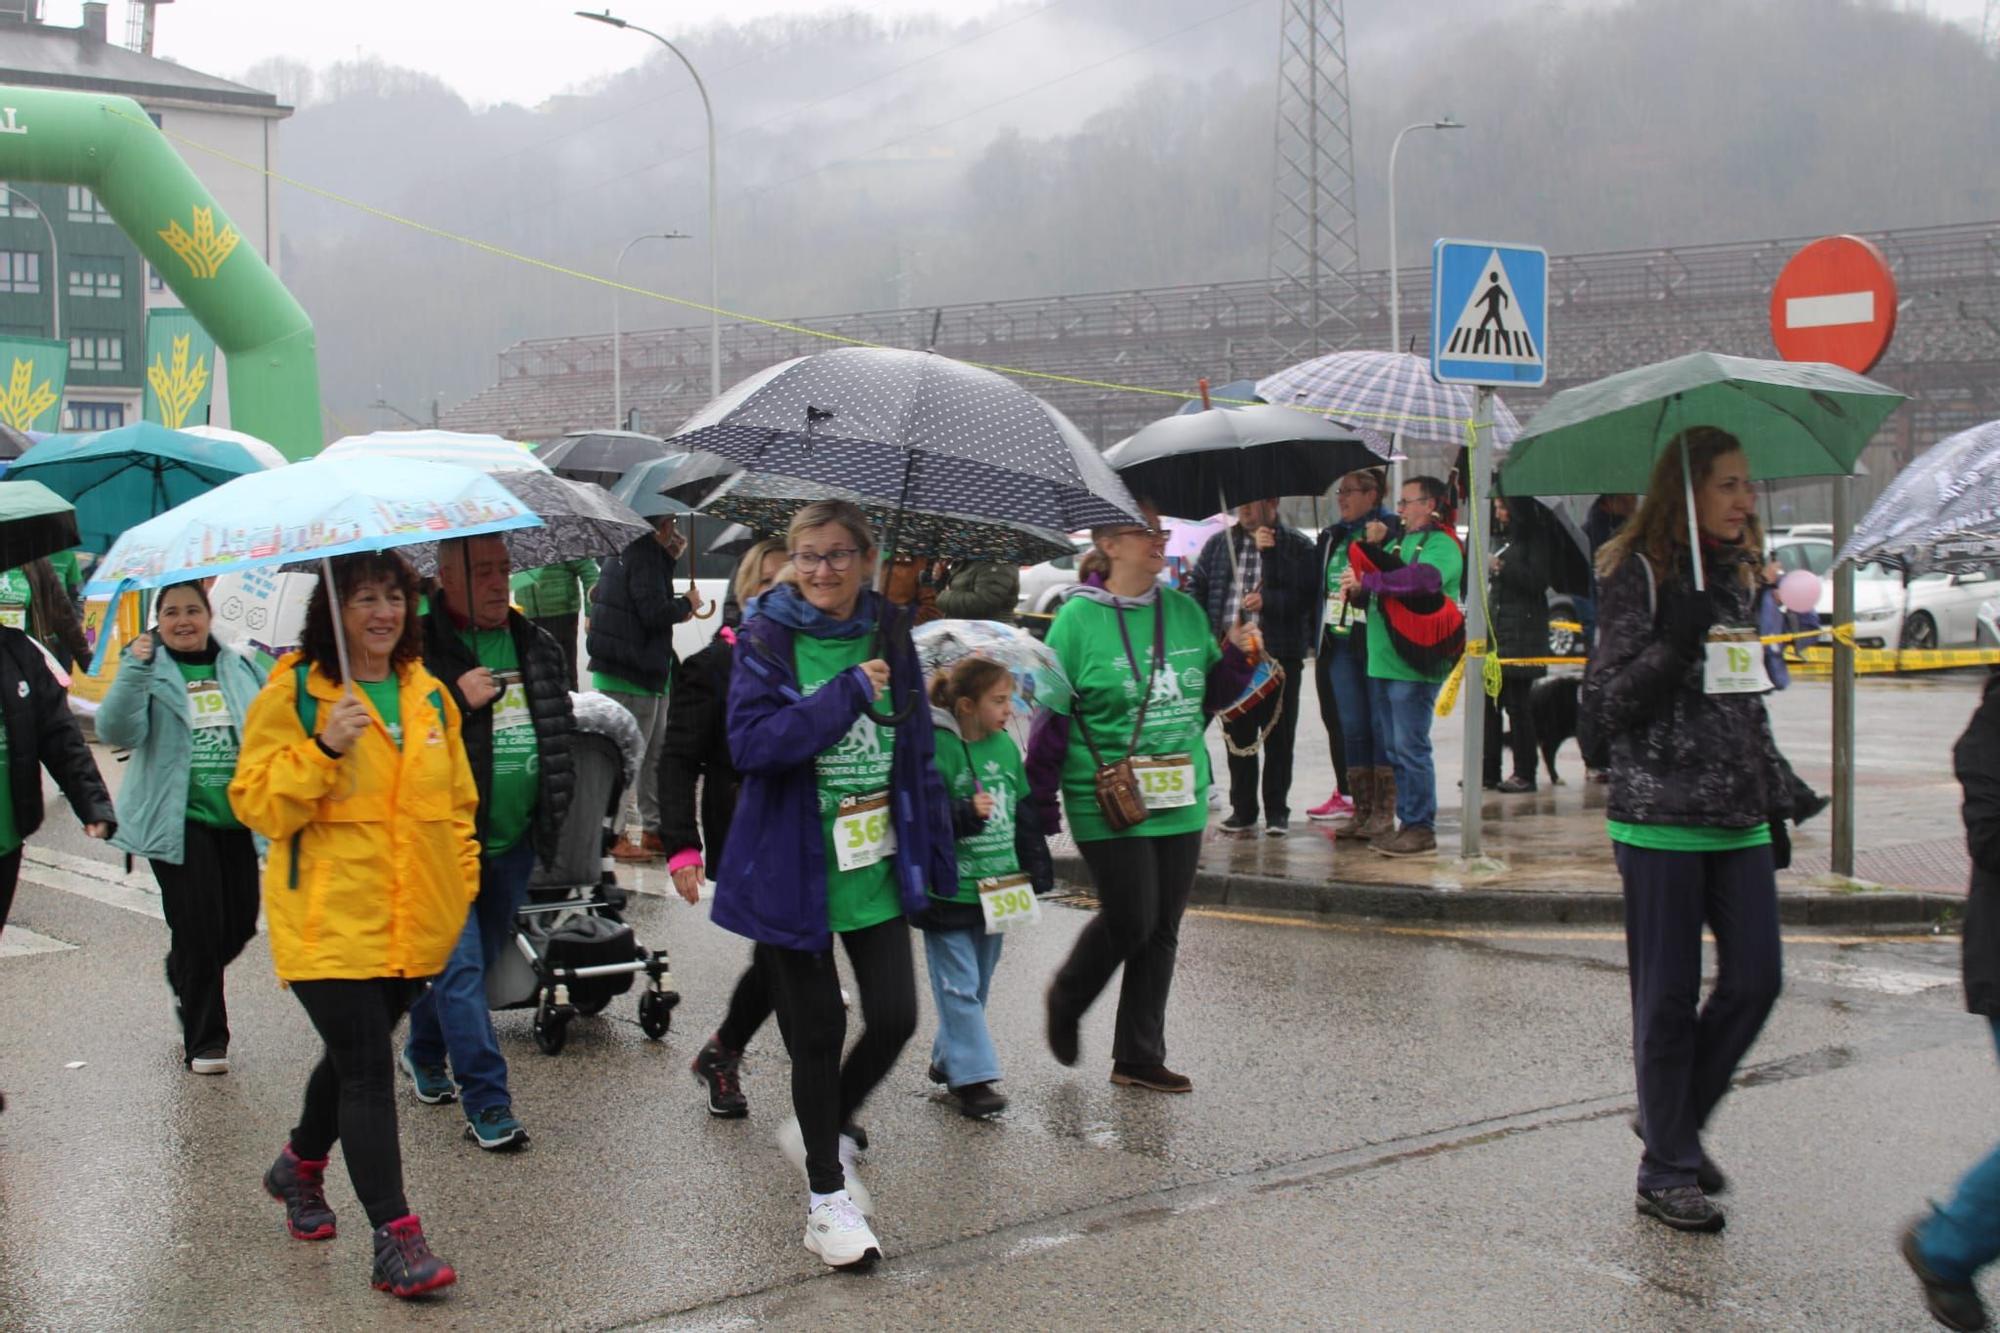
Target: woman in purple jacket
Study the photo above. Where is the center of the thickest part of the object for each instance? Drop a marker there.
(841, 828)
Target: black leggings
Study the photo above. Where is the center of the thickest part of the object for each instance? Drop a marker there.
(749, 1006)
(806, 990)
(351, 1096)
(10, 873)
(210, 902)
(1142, 887)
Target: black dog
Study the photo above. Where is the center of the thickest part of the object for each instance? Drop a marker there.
(1553, 704)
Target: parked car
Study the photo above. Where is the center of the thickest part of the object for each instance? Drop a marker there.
(1989, 624)
(1805, 546)
(1044, 586)
(1935, 611)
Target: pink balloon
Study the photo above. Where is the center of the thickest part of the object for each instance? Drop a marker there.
(1798, 591)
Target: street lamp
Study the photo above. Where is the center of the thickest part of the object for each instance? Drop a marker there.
(617, 290)
(55, 262)
(1395, 275)
(708, 110)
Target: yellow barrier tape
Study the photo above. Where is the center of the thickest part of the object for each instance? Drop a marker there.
(1573, 626)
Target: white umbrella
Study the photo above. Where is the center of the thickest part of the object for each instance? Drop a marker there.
(264, 453)
(482, 453)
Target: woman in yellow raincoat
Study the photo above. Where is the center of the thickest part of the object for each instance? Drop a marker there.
(366, 796)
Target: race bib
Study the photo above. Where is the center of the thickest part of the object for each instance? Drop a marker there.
(862, 834)
(510, 710)
(206, 705)
(1008, 901)
(1735, 663)
(1166, 781)
(14, 617)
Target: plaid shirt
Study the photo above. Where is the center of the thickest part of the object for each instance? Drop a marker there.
(1249, 570)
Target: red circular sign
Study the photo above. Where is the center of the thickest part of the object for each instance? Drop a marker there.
(1835, 302)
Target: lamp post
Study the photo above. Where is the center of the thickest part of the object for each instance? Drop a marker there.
(1395, 274)
(708, 110)
(55, 263)
(617, 355)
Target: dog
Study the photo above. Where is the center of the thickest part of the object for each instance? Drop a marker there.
(1552, 701)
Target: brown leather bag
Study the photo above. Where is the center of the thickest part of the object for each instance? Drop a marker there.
(1116, 785)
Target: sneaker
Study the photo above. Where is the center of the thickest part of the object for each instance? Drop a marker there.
(1237, 824)
(1516, 786)
(792, 1143)
(301, 1186)
(496, 1130)
(851, 1148)
(838, 1232)
(432, 1083)
(1410, 840)
(979, 1101)
(1064, 1041)
(404, 1264)
(1953, 1304)
(1277, 826)
(1682, 1207)
(1335, 807)
(1153, 1078)
(214, 1062)
(1708, 1175)
(716, 1068)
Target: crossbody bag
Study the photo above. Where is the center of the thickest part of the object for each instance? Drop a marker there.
(1119, 796)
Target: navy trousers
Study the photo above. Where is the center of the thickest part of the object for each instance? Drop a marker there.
(1685, 1052)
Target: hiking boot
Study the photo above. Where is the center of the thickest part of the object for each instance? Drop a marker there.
(301, 1186)
(496, 1130)
(1334, 807)
(1682, 1207)
(1413, 840)
(979, 1100)
(1237, 825)
(404, 1264)
(432, 1083)
(716, 1068)
(1953, 1304)
(1064, 1041)
(1277, 826)
(1360, 807)
(1153, 1078)
(837, 1232)
(1381, 821)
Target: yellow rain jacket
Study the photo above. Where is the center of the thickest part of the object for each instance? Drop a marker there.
(387, 864)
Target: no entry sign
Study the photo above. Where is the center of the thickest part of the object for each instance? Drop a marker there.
(1835, 302)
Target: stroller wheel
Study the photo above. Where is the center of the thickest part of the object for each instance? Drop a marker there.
(551, 1027)
(655, 1014)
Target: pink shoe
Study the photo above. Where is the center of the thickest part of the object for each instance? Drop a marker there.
(1336, 807)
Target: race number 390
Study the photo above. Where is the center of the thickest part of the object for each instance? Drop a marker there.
(1008, 901)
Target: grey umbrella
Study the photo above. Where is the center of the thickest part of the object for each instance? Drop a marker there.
(602, 456)
(580, 520)
(1191, 465)
(766, 503)
(1940, 513)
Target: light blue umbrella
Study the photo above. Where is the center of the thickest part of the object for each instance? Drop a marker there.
(119, 478)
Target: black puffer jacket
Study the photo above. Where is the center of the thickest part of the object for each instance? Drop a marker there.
(42, 734)
(1977, 762)
(1519, 593)
(695, 750)
(1678, 755)
(545, 676)
(633, 612)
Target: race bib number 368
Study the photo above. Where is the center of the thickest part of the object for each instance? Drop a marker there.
(862, 834)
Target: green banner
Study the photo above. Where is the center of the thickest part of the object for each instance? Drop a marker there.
(32, 372)
(180, 369)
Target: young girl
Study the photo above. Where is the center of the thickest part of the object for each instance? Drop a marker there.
(998, 839)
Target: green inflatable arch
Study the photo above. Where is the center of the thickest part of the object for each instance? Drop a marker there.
(112, 146)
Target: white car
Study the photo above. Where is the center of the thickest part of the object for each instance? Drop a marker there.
(1935, 611)
(1043, 586)
(1989, 624)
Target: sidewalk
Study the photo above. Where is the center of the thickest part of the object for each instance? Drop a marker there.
(1546, 857)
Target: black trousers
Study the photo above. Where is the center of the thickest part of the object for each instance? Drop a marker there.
(1329, 714)
(749, 1005)
(1277, 751)
(1686, 1056)
(1514, 696)
(806, 989)
(563, 630)
(210, 900)
(10, 875)
(1142, 889)
(351, 1095)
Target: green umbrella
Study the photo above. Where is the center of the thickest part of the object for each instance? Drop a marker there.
(34, 522)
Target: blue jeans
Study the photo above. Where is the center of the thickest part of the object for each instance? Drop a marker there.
(1963, 1236)
(961, 967)
(451, 1018)
(1344, 670)
(1402, 711)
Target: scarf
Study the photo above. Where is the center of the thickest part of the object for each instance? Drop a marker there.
(788, 607)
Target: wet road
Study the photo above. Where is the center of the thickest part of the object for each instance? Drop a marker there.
(1391, 1127)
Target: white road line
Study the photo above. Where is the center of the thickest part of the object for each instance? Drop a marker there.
(86, 877)
(19, 941)
(1819, 312)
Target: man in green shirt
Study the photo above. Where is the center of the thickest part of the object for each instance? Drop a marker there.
(553, 597)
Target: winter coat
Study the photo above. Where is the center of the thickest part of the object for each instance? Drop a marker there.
(1337, 534)
(771, 883)
(981, 590)
(373, 860)
(1976, 760)
(1678, 755)
(633, 612)
(1518, 598)
(1290, 633)
(546, 679)
(41, 733)
(146, 711)
(555, 590)
(695, 751)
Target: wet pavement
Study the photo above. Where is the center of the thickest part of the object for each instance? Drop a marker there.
(1392, 1126)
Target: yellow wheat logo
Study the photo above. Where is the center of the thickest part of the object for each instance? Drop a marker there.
(177, 387)
(25, 401)
(206, 249)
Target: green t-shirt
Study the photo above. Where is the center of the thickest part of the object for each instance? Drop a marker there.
(67, 568)
(216, 742)
(9, 837)
(387, 697)
(516, 757)
(14, 597)
(1086, 641)
(606, 683)
(996, 762)
(855, 768)
(1688, 838)
(1438, 549)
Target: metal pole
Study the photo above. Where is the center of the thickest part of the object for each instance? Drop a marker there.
(55, 263)
(617, 356)
(1472, 794)
(1395, 274)
(1843, 684)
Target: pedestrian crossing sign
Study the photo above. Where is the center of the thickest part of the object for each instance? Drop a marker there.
(1489, 313)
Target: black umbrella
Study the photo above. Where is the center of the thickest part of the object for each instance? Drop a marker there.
(1569, 549)
(34, 522)
(602, 456)
(13, 443)
(1190, 466)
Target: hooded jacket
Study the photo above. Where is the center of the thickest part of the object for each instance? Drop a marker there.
(633, 612)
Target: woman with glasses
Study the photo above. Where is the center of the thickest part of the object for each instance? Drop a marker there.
(1148, 673)
(842, 827)
(1361, 766)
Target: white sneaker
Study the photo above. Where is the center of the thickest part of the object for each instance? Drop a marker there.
(838, 1233)
(209, 1064)
(792, 1143)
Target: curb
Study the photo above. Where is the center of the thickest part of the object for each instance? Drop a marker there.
(1888, 909)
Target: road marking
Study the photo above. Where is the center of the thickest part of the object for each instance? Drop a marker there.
(19, 941)
(87, 877)
(1503, 933)
(1820, 312)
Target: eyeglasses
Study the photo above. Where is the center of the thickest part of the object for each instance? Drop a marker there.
(1156, 536)
(1405, 504)
(839, 561)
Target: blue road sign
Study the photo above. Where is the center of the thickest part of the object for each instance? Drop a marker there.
(1489, 313)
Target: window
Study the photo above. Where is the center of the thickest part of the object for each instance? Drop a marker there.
(96, 282)
(84, 207)
(96, 351)
(154, 282)
(12, 204)
(20, 271)
(93, 416)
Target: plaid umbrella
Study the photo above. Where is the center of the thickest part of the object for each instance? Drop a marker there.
(766, 503)
(1386, 393)
(580, 520)
(1939, 512)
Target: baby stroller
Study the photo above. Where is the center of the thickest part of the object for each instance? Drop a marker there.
(573, 951)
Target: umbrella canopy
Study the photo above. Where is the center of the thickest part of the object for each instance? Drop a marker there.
(580, 520)
(481, 453)
(1192, 465)
(1236, 393)
(1185, 539)
(1939, 512)
(120, 478)
(13, 443)
(602, 456)
(267, 454)
(683, 478)
(639, 490)
(1387, 393)
(735, 540)
(1569, 548)
(766, 503)
(34, 522)
(1039, 679)
(1795, 419)
(917, 431)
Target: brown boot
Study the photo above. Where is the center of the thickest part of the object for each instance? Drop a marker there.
(1411, 841)
(1382, 816)
(1362, 780)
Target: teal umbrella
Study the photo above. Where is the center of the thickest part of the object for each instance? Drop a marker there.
(119, 478)
(640, 488)
(34, 522)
